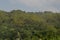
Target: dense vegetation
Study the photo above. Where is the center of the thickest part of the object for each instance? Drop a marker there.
(21, 25)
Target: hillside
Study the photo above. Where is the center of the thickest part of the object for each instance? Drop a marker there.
(21, 25)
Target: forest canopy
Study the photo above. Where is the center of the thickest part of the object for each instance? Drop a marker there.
(21, 25)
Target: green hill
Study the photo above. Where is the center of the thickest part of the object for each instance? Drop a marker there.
(21, 25)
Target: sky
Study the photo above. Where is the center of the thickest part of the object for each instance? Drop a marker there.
(30, 5)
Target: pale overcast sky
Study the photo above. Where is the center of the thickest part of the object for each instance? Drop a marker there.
(30, 5)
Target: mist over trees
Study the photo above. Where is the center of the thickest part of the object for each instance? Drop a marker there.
(21, 25)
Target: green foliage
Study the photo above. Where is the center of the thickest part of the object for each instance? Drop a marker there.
(21, 25)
